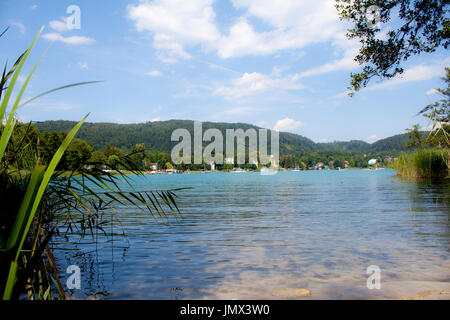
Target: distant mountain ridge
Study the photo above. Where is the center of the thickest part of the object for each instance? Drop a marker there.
(157, 136)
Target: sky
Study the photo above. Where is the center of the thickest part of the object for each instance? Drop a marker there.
(281, 65)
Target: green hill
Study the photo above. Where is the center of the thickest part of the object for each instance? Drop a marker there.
(157, 136)
(396, 142)
(353, 145)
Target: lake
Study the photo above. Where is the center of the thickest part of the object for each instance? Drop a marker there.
(252, 236)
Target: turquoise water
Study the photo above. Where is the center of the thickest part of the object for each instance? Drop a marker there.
(246, 235)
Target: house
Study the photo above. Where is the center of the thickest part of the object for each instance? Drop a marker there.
(346, 164)
(318, 165)
(154, 166)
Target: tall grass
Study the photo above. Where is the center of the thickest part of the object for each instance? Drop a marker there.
(23, 235)
(425, 163)
(37, 182)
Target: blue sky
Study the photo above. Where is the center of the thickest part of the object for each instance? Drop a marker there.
(277, 64)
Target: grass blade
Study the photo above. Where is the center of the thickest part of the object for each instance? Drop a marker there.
(58, 88)
(14, 77)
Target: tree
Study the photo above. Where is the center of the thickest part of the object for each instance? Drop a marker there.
(338, 163)
(161, 158)
(98, 158)
(138, 155)
(303, 165)
(169, 166)
(416, 137)
(113, 161)
(439, 114)
(49, 143)
(423, 27)
(112, 150)
(78, 153)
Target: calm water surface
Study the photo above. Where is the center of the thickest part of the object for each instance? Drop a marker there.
(244, 235)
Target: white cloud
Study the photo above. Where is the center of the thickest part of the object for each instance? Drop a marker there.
(256, 83)
(236, 114)
(178, 25)
(243, 40)
(154, 73)
(175, 24)
(261, 124)
(276, 71)
(240, 111)
(59, 25)
(155, 119)
(52, 106)
(83, 65)
(304, 15)
(343, 95)
(287, 124)
(34, 7)
(414, 74)
(295, 24)
(75, 40)
(345, 48)
(345, 63)
(19, 25)
(218, 67)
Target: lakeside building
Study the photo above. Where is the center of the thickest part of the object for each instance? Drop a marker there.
(318, 165)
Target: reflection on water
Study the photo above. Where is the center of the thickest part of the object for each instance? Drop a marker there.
(253, 236)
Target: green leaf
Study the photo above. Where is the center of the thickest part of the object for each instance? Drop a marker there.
(11, 281)
(58, 88)
(46, 179)
(10, 123)
(14, 78)
(25, 208)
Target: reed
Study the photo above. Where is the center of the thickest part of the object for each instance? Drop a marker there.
(424, 163)
(36, 182)
(30, 195)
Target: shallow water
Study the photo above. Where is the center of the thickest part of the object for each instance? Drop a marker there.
(246, 235)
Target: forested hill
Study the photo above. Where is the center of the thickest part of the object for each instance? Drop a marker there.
(156, 136)
(395, 143)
